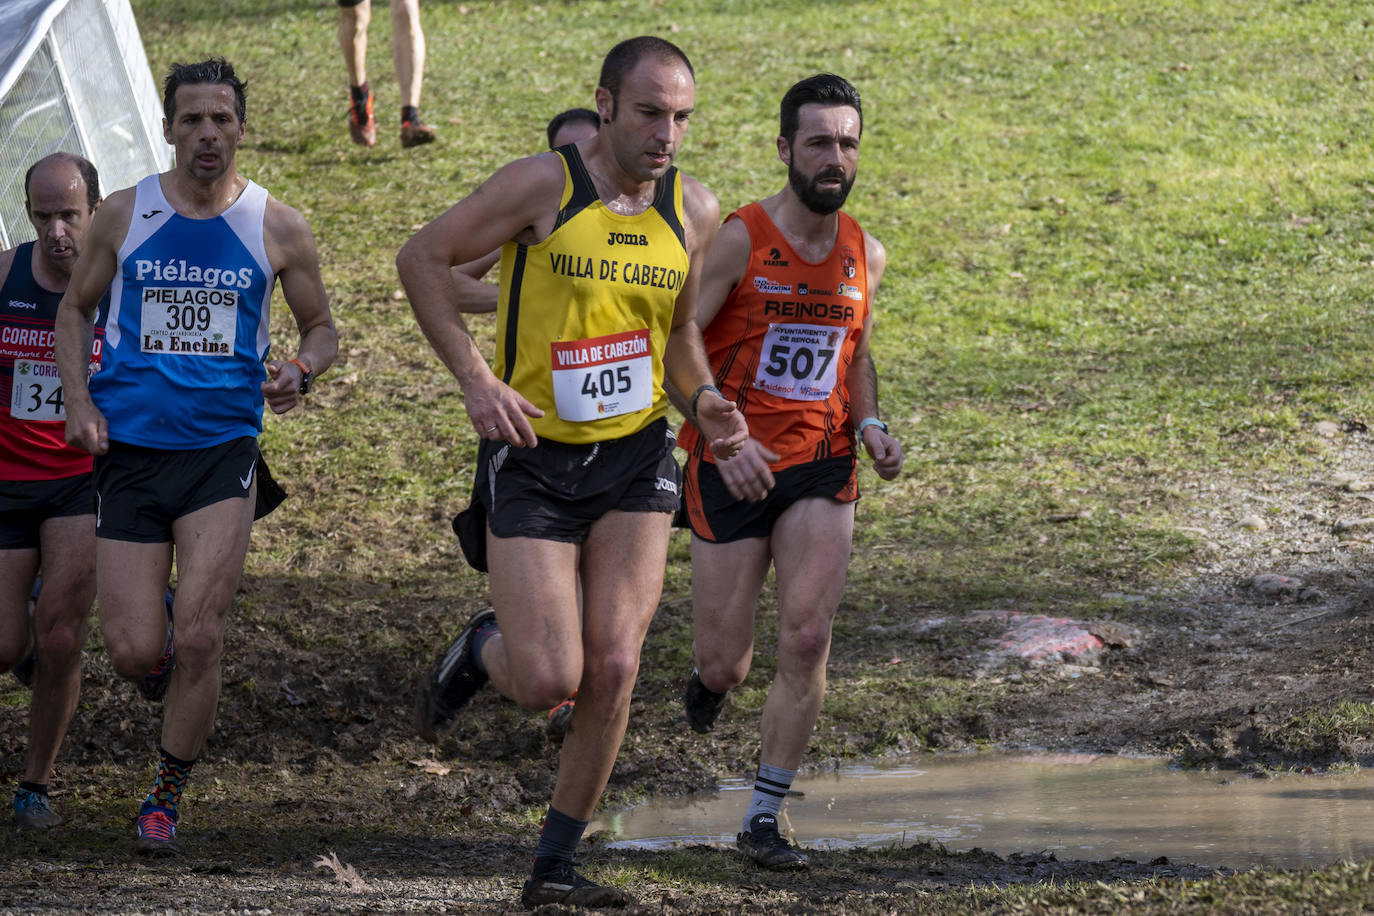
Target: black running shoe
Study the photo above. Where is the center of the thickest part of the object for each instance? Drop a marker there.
(762, 843)
(563, 885)
(702, 704)
(452, 682)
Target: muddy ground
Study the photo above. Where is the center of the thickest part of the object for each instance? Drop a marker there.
(314, 754)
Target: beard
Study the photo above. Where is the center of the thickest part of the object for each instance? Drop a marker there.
(812, 197)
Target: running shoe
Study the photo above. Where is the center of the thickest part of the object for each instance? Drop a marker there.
(157, 833)
(32, 812)
(560, 719)
(452, 683)
(702, 704)
(563, 885)
(23, 669)
(415, 132)
(153, 686)
(362, 127)
(765, 846)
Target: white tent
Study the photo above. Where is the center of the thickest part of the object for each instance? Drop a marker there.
(74, 77)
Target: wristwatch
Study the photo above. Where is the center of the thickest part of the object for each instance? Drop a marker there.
(307, 376)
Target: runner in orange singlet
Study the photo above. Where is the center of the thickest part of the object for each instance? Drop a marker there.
(786, 308)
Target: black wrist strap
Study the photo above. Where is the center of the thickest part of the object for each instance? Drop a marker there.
(696, 396)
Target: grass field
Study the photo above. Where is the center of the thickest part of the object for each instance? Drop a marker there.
(1129, 250)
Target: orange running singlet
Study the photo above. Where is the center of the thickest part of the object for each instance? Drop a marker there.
(782, 343)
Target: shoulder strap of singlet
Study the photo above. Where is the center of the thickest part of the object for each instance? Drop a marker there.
(665, 202)
(20, 277)
(583, 190)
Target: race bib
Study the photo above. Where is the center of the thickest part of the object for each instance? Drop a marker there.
(602, 377)
(191, 321)
(36, 393)
(800, 361)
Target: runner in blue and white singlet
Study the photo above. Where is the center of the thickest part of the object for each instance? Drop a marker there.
(188, 317)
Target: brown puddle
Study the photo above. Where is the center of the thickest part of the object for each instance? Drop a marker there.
(1077, 806)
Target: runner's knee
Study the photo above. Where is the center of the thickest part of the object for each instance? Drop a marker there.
(614, 670)
(61, 642)
(721, 674)
(198, 649)
(544, 690)
(131, 658)
(805, 647)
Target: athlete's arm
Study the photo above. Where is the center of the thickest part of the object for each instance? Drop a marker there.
(725, 266)
(520, 200)
(746, 475)
(862, 377)
(74, 325)
(292, 254)
(684, 356)
(6, 259)
(473, 294)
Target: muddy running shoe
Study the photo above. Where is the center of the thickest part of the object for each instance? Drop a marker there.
(153, 686)
(563, 885)
(452, 683)
(415, 132)
(560, 719)
(23, 669)
(762, 843)
(32, 812)
(362, 127)
(157, 833)
(702, 704)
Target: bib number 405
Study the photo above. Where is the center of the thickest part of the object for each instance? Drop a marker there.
(607, 382)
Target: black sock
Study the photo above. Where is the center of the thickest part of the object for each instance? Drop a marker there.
(409, 113)
(35, 787)
(360, 94)
(558, 841)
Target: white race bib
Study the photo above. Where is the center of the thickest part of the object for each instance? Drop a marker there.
(189, 320)
(799, 361)
(36, 392)
(602, 376)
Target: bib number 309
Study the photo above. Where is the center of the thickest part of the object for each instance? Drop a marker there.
(602, 377)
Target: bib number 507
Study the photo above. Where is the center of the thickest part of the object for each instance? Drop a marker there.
(799, 362)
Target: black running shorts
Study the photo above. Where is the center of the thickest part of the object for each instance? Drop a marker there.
(714, 515)
(140, 491)
(26, 504)
(555, 491)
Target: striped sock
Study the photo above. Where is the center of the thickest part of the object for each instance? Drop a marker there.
(770, 788)
(172, 773)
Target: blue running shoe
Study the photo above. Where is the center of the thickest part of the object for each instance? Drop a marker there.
(32, 812)
(157, 833)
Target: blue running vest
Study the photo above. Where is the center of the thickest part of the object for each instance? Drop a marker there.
(187, 333)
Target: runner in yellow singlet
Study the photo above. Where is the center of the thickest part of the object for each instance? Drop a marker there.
(603, 243)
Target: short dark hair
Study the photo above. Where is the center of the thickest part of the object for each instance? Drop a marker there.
(821, 89)
(214, 70)
(84, 169)
(572, 114)
(621, 59)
